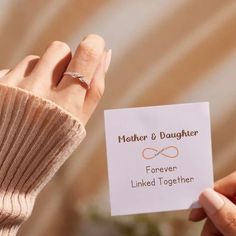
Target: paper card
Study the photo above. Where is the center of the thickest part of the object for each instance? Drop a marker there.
(159, 158)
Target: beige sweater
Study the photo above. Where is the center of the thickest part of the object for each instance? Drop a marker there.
(36, 137)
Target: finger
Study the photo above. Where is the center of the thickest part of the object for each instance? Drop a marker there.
(197, 215)
(21, 70)
(24, 67)
(85, 61)
(95, 93)
(51, 66)
(3, 72)
(209, 229)
(220, 210)
(227, 185)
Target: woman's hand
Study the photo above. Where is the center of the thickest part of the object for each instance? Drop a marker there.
(219, 208)
(44, 76)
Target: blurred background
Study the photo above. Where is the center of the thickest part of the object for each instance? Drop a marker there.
(164, 51)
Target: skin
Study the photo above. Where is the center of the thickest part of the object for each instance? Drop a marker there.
(44, 75)
(223, 221)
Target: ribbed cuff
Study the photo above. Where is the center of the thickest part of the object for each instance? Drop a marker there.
(36, 137)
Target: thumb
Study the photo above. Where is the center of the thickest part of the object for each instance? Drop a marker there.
(220, 210)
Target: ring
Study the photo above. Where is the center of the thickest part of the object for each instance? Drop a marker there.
(80, 77)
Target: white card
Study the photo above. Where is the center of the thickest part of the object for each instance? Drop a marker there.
(159, 158)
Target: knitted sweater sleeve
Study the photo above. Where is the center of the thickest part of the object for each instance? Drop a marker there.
(36, 137)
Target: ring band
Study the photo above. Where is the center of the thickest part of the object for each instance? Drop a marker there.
(80, 77)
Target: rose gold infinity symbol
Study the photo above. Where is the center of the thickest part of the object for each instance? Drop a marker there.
(150, 153)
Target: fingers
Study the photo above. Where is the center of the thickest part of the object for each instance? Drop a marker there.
(24, 67)
(220, 211)
(209, 229)
(21, 70)
(95, 93)
(85, 61)
(197, 215)
(44, 76)
(227, 185)
(3, 72)
(51, 66)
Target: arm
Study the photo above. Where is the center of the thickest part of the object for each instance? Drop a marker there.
(43, 112)
(36, 137)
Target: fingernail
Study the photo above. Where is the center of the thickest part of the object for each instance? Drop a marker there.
(84, 37)
(211, 201)
(108, 60)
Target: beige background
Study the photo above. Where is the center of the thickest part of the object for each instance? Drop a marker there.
(164, 51)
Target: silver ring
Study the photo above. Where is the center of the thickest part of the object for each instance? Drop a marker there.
(80, 77)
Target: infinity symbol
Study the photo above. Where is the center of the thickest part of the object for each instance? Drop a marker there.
(154, 152)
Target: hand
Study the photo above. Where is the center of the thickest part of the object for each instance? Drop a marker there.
(44, 76)
(219, 208)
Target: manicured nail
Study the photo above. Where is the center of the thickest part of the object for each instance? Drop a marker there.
(108, 60)
(211, 201)
(84, 38)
